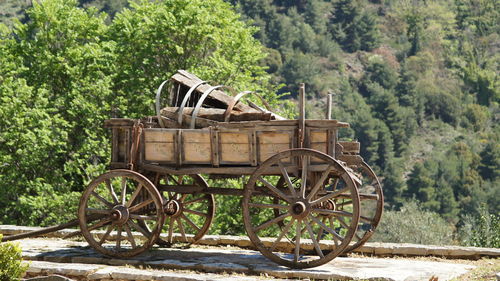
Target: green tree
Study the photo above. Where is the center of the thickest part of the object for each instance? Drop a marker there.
(354, 28)
(156, 38)
(490, 161)
(65, 71)
(421, 185)
(52, 109)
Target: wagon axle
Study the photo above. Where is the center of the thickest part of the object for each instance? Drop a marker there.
(120, 214)
(172, 208)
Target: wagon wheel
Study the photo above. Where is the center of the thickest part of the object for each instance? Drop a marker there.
(189, 214)
(371, 205)
(112, 208)
(312, 226)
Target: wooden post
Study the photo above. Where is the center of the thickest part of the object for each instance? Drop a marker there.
(302, 113)
(329, 107)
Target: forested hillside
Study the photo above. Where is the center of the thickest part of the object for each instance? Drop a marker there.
(417, 80)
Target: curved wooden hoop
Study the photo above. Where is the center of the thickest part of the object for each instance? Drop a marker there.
(227, 113)
(157, 103)
(185, 100)
(202, 99)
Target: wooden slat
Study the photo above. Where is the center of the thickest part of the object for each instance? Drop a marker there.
(350, 146)
(271, 143)
(152, 135)
(235, 148)
(196, 146)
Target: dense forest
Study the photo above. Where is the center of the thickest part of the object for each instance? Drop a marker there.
(417, 80)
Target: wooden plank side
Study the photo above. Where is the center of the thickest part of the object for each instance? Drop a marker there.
(159, 145)
(235, 148)
(350, 146)
(318, 136)
(196, 146)
(159, 135)
(159, 151)
(271, 143)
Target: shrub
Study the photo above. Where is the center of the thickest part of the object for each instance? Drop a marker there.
(11, 267)
(482, 230)
(411, 224)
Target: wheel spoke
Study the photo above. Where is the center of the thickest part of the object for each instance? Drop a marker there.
(326, 228)
(274, 189)
(287, 179)
(130, 236)
(118, 237)
(183, 197)
(105, 236)
(111, 191)
(305, 164)
(315, 242)
(271, 221)
(124, 190)
(332, 224)
(181, 229)
(297, 242)
(330, 196)
(170, 230)
(320, 233)
(100, 198)
(342, 222)
(142, 217)
(365, 219)
(283, 232)
(190, 222)
(99, 224)
(319, 183)
(134, 195)
(331, 212)
(262, 205)
(367, 196)
(335, 183)
(97, 211)
(195, 212)
(357, 236)
(140, 205)
(137, 227)
(194, 201)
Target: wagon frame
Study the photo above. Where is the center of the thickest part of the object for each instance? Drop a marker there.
(303, 184)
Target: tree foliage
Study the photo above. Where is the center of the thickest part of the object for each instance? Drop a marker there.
(66, 70)
(417, 81)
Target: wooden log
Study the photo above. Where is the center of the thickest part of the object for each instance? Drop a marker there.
(186, 120)
(276, 116)
(217, 114)
(216, 98)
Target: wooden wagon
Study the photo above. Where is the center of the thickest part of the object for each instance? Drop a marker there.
(307, 196)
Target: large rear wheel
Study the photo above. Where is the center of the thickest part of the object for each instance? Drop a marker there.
(299, 225)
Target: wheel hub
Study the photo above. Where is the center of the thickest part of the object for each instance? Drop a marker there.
(172, 208)
(299, 209)
(329, 205)
(120, 214)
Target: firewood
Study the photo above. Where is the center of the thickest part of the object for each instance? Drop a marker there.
(217, 114)
(216, 98)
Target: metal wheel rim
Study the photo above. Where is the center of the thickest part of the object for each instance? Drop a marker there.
(373, 220)
(325, 256)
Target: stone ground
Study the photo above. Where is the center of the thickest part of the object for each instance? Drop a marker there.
(77, 260)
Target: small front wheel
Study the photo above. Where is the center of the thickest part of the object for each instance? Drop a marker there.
(113, 210)
(311, 219)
